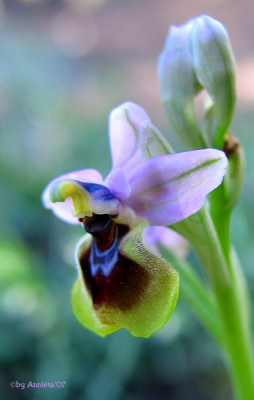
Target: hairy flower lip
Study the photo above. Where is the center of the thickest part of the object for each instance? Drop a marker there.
(138, 294)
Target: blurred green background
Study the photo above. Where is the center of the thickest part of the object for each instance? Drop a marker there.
(64, 64)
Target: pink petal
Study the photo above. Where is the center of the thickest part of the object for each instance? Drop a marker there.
(160, 235)
(63, 210)
(117, 182)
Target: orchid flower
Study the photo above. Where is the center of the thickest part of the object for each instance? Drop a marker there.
(121, 282)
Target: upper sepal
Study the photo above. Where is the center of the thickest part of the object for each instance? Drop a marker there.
(139, 294)
(124, 125)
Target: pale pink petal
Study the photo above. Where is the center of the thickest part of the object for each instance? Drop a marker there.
(160, 235)
(117, 182)
(87, 198)
(63, 210)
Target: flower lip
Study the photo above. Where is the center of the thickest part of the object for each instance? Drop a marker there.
(131, 288)
(113, 280)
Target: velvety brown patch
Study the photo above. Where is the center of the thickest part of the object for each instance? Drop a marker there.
(122, 288)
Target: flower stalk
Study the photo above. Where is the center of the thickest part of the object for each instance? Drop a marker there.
(232, 301)
(231, 296)
(198, 296)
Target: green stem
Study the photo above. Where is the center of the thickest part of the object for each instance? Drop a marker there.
(219, 137)
(221, 219)
(234, 309)
(199, 230)
(230, 291)
(199, 297)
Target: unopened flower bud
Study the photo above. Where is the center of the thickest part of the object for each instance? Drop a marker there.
(179, 85)
(215, 69)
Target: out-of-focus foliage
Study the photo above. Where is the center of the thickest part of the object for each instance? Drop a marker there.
(53, 111)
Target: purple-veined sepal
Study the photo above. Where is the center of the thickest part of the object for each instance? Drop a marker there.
(169, 188)
(124, 126)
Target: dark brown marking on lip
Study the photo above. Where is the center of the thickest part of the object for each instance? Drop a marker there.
(123, 287)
